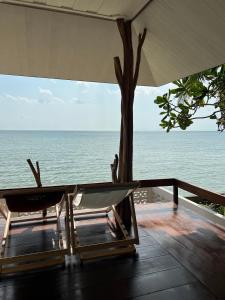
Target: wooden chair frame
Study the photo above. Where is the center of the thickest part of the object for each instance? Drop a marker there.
(13, 264)
(118, 247)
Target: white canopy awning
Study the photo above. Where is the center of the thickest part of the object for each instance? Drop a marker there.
(77, 40)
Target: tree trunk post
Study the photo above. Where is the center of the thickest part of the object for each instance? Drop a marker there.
(37, 176)
(127, 80)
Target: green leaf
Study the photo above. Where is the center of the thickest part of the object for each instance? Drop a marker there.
(159, 100)
(213, 117)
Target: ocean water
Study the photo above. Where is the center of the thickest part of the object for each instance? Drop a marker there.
(69, 157)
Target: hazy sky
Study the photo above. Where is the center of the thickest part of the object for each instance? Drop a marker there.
(49, 104)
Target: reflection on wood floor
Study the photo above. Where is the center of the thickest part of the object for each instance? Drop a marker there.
(181, 256)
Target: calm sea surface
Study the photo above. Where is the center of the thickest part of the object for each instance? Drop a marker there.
(77, 157)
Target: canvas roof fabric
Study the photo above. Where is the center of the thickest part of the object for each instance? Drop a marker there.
(77, 40)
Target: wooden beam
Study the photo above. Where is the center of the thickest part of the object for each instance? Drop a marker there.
(201, 192)
(70, 188)
(157, 182)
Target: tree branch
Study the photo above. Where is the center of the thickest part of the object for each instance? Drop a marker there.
(141, 39)
(35, 172)
(118, 70)
(114, 167)
(120, 24)
(205, 117)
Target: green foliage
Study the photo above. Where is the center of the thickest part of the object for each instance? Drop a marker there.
(184, 103)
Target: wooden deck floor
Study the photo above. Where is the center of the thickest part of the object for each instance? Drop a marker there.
(181, 256)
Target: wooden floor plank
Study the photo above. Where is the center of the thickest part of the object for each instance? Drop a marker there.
(139, 285)
(193, 291)
(196, 244)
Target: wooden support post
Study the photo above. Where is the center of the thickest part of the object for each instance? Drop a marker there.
(175, 196)
(127, 78)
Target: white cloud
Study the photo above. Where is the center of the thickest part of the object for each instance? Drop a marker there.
(87, 88)
(10, 97)
(44, 98)
(47, 96)
(45, 91)
(19, 98)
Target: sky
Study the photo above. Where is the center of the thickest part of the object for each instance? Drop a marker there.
(50, 104)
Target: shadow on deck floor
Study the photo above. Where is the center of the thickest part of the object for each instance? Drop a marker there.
(181, 256)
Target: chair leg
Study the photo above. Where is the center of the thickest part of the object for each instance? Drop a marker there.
(120, 223)
(71, 224)
(67, 226)
(5, 236)
(134, 219)
(44, 213)
(6, 231)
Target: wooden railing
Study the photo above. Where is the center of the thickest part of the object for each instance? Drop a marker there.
(176, 183)
(201, 192)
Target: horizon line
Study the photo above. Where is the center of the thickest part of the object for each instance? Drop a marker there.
(97, 130)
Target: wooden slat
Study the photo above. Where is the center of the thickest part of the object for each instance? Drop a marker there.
(104, 253)
(22, 219)
(33, 256)
(34, 265)
(33, 190)
(117, 243)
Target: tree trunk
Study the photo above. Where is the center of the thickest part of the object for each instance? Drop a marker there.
(127, 80)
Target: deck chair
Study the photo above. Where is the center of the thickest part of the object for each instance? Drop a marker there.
(34, 200)
(97, 199)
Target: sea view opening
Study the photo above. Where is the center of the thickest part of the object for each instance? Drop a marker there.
(68, 157)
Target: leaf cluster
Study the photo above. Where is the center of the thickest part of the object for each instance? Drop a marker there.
(181, 105)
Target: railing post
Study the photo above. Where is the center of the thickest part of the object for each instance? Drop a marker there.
(175, 196)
